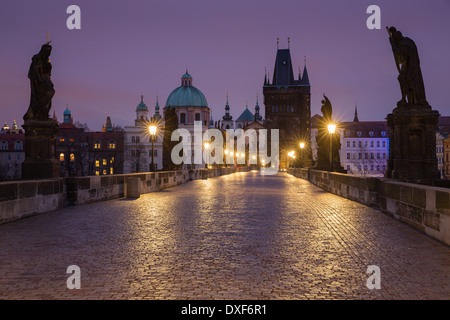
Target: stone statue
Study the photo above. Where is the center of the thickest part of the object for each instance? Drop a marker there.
(42, 90)
(328, 144)
(408, 65)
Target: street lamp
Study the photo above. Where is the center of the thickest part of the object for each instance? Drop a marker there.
(331, 131)
(292, 155)
(152, 130)
(302, 146)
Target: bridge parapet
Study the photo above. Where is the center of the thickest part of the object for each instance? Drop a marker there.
(424, 207)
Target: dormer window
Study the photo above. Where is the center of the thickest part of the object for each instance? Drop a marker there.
(371, 133)
(359, 133)
(383, 133)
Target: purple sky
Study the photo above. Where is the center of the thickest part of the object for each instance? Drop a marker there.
(128, 48)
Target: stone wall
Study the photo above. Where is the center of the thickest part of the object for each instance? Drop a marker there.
(25, 198)
(19, 199)
(426, 208)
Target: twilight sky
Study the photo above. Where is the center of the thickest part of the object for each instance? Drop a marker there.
(127, 48)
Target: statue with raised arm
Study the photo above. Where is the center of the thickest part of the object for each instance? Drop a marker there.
(408, 65)
(42, 90)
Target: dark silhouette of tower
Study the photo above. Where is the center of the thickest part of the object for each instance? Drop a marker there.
(288, 107)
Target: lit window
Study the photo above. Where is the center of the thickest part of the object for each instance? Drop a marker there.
(111, 171)
(112, 145)
(97, 163)
(104, 172)
(61, 157)
(97, 173)
(62, 140)
(72, 140)
(72, 157)
(112, 160)
(97, 144)
(104, 162)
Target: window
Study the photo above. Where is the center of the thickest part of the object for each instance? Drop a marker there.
(18, 145)
(97, 173)
(383, 133)
(358, 133)
(372, 144)
(97, 144)
(360, 144)
(378, 168)
(72, 140)
(104, 172)
(371, 133)
(378, 144)
(359, 156)
(72, 157)
(4, 145)
(105, 162)
(111, 171)
(348, 155)
(384, 155)
(62, 140)
(133, 139)
(366, 155)
(354, 144)
(61, 157)
(183, 117)
(378, 156)
(197, 117)
(348, 167)
(383, 144)
(111, 160)
(133, 153)
(366, 144)
(372, 156)
(371, 167)
(97, 163)
(112, 145)
(348, 144)
(18, 156)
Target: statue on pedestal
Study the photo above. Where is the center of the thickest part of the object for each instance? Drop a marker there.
(40, 131)
(412, 125)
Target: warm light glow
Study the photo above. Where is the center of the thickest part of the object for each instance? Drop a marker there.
(206, 145)
(291, 154)
(231, 153)
(254, 157)
(152, 130)
(331, 128)
(302, 145)
(226, 151)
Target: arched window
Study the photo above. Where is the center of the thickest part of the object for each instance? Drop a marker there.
(72, 157)
(61, 157)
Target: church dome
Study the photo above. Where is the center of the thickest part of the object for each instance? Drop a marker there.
(142, 106)
(186, 95)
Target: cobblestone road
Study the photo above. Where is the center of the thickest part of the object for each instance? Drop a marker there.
(242, 236)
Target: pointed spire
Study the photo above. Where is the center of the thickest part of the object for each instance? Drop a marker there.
(278, 43)
(265, 75)
(305, 78)
(299, 75)
(355, 119)
(289, 43)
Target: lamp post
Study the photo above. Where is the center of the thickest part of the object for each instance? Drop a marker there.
(302, 146)
(331, 131)
(152, 130)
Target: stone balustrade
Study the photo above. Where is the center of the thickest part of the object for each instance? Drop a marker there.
(424, 207)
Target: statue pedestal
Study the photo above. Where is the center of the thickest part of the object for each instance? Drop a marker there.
(412, 145)
(40, 150)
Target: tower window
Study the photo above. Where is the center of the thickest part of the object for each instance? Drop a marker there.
(183, 117)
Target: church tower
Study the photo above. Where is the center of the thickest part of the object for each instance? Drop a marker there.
(288, 107)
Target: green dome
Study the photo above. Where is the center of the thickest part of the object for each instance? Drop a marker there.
(142, 106)
(186, 96)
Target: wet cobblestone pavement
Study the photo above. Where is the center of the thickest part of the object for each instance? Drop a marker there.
(242, 236)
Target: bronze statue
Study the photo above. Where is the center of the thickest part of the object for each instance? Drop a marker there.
(408, 65)
(42, 90)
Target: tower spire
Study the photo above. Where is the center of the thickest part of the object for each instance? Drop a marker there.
(355, 119)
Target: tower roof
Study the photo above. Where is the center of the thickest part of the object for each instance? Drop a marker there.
(247, 115)
(283, 73)
(186, 95)
(142, 106)
(305, 78)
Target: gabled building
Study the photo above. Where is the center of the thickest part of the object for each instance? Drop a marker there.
(12, 154)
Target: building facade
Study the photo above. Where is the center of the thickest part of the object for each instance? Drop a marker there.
(138, 142)
(12, 152)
